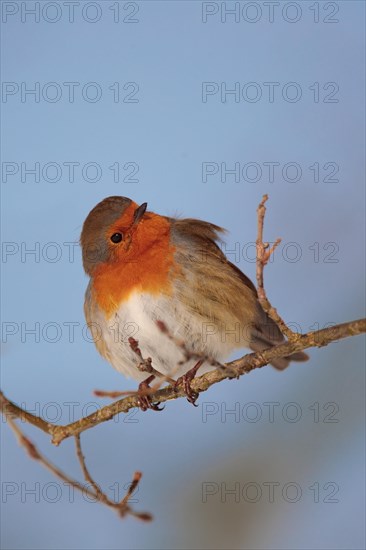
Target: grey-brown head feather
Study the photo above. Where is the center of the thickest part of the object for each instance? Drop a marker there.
(92, 239)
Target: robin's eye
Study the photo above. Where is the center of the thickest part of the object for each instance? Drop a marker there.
(116, 238)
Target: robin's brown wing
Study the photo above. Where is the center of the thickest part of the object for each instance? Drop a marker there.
(214, 282)
(224, 285)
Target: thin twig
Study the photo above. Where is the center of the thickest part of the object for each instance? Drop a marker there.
(264, 252)
(122, 507)
(144, 365)
(189, 354)
(34, 453)
(88, 478)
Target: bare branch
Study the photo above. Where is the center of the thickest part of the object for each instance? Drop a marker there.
(122, 507)
(236, 368)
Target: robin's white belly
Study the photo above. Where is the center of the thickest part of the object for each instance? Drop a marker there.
(138, 317)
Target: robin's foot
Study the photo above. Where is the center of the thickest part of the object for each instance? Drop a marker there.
(186, 380)
(144, 397)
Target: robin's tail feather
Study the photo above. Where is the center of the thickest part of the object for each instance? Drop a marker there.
(284, 362)
(259, 344)
(267, 335)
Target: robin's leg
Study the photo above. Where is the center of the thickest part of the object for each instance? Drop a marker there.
(144, 397)
(186, 380)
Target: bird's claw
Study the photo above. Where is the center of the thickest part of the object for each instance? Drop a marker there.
(145, 402)
(191, 395)
(185, 382)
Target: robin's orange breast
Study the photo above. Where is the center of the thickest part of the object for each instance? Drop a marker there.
(148, 266)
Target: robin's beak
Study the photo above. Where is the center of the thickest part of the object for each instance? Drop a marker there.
(139, 212)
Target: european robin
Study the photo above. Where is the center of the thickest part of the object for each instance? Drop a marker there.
(149, 271)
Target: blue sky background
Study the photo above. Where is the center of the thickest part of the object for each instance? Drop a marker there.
(169, 133)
